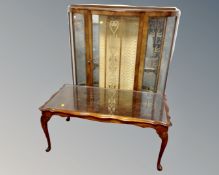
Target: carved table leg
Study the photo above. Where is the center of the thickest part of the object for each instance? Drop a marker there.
(46, 116)
(68, 119)
(163, 134)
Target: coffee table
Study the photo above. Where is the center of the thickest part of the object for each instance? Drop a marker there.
(143, 109)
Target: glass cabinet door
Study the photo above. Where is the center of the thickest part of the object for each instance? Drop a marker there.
(114, 50)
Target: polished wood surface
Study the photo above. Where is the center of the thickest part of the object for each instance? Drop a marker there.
(138, 108)
(101, 103)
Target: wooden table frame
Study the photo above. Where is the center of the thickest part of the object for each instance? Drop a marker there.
(161, 128)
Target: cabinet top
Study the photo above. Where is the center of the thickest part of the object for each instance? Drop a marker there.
(123, 8)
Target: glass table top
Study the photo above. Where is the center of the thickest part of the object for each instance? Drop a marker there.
(108, 103)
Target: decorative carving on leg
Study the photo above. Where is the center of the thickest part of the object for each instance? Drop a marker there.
(68, 119)
(46, 116)
(163, 134)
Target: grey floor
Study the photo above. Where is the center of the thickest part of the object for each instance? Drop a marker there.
(35, 62)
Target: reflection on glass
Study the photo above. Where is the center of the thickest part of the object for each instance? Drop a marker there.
(80, 58)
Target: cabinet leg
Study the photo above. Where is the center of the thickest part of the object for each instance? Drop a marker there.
(46, 116)
(163, 134)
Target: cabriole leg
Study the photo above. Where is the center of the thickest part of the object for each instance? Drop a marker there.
(46, 116)
(163, 134)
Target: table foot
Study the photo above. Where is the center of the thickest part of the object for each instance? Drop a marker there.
(48, 149)
(163, 134)
(68, 119)
(46, 116)
(159, 167)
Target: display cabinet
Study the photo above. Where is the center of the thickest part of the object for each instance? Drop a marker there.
(123, 47)
(120, 59)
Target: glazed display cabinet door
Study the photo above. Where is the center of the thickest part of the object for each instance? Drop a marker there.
(114, 50)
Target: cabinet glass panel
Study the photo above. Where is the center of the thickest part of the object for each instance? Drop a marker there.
(149, 81)
(153, 106)
(166, 55)
(79, 44)
(96, 49)
(153, 52)
(114, 50)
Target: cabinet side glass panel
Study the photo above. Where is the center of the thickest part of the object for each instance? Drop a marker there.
(79, 48)
(155, 39)
(170, 29)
